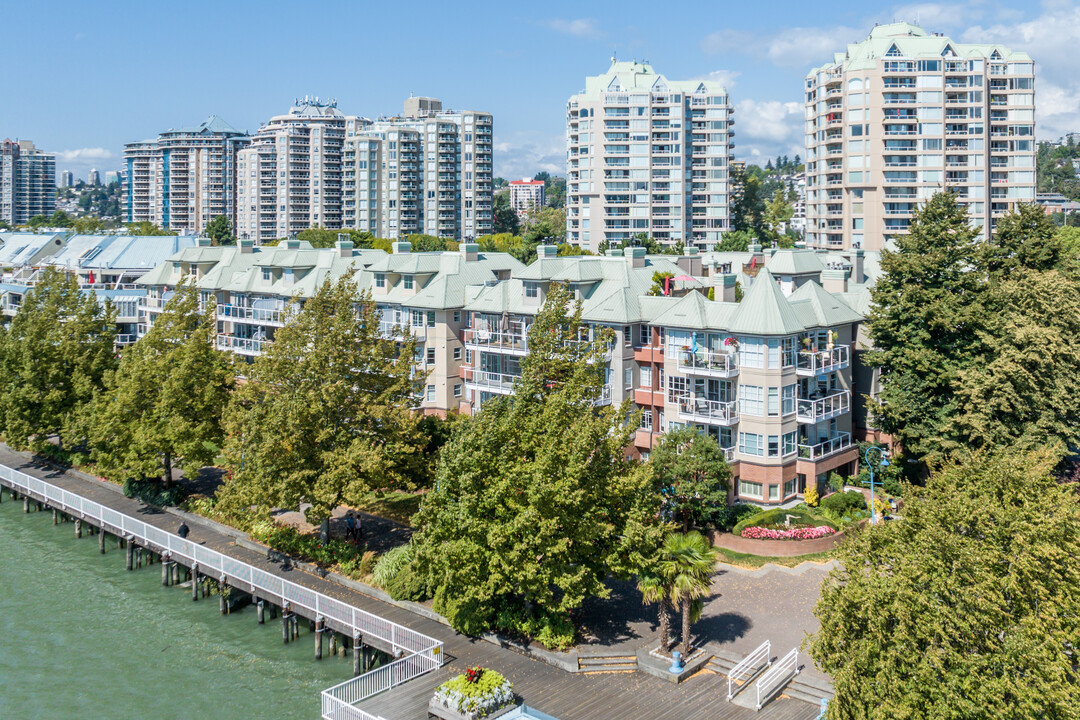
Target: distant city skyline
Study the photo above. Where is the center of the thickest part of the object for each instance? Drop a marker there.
(520, 64)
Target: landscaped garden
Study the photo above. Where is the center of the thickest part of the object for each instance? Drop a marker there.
(476, 693)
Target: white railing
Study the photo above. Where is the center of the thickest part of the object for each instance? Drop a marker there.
(605, 396)
(261, 316)
(126, 338)
(422, 653)
(153, 303)
(747, 667)
(242, 346)
(841, 441)
(711, 411)
(817, 362)
(490, 381)
(824, 408)
(708, 362)
(494, 340)
(777, 676)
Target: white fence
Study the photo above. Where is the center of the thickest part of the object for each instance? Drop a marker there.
(747, 667)
(422, 654)
(785, 668)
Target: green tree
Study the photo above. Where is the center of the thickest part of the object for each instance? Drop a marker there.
(966, 608)
(145, 227)
(536, 502)
(325, 416)
(60, 219)
(691, 474)
(653, 589)
(505, 219)
(1069, 237)
(735, 241)
(430, 243)
(220, 231)
(545, 225)
(58, 350)
(686, 563)
(777, 214)
(924, 324)
(1024, 238)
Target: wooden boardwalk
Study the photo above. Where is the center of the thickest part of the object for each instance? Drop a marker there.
(565, 695)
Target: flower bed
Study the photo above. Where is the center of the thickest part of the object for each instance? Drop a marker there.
(799, 533)
(475, 693)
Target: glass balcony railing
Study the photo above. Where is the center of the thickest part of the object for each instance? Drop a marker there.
(713, 412)
(825, 447)
(818, 362)
(241, 346)
(258, 316)
(715, 363)
(826, 407)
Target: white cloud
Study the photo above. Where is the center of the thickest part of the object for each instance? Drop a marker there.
(582, 27)
(934, 16)
(768, 128)
(797, 47)
(524, 155)
(84, 155)
(724, 77)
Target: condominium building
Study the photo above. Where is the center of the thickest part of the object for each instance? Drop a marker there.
(647, 155)
(183, 179)
(67, 179)
(526, 195)
(27, 182)
(905, 114)
(429, 171)
(290, 178)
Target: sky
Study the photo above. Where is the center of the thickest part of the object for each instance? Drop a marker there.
(81, 79)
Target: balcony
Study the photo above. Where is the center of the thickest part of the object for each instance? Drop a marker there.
(126, 338)
(156, 304)
(815, 410)
(824, 448)
(818, 362)
(482, 380)
(494, 341)
(711, 363)
(250, 315)
(241, 346)
(712, 412)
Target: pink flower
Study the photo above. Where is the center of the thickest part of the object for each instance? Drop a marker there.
(804, 533)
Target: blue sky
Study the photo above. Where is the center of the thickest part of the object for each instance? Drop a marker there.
(81, 79)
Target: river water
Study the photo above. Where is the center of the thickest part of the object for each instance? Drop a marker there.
(81, 637)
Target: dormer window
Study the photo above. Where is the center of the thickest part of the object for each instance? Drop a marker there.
(532, 290)
(380, 280)
(267, 274)
(176, 268)
(407, 282)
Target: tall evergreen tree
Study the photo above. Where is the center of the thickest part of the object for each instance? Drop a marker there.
(968, 607)
(1024, 238)
(163, 405)
(325, 415)
(536, 501)
(691, 475)
(58, 350)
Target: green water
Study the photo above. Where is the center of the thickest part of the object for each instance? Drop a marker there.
(80, 637)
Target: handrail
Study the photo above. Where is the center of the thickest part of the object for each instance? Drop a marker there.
(748, 666)
(772, 680)
(421, 653)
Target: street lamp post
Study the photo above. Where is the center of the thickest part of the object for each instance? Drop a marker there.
(884, 463)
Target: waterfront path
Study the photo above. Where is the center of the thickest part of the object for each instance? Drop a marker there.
(565, 695)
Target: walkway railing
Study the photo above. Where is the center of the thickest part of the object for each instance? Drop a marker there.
(422, 653)
(784, 669)
(748, 666)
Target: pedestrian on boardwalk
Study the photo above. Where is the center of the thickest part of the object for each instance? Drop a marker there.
(350, 526)
(183, 530)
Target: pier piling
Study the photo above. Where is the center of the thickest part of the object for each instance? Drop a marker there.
(100, 540)
(78, 528)
(261, 609)
(318, 638)
(357, 649)
(195, 581)
(165, 570)
(129, 555)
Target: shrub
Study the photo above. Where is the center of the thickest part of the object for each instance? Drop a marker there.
(310, 548)
(390, 564)
(775, 519)
(553, 631)
(358, 567)
(152, 492)
(732, 515)
(836, 481)
(408, 585)
(842, 503)
(810, 495)
(477, 690)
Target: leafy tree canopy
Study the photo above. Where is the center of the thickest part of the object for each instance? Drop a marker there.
(692, 476)
(220, 231)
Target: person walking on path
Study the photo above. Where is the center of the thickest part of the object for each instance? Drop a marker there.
(350, 526)
(183, 530)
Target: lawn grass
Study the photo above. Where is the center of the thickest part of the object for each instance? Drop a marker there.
(397, 506)
(753, 562)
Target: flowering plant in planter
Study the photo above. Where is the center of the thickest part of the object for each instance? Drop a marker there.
(802, 533)
(475, 693)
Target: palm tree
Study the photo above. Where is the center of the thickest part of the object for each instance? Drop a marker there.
(686, 565)
(654, 590)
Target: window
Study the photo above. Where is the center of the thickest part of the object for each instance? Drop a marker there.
(749, 489)
(787, 406)
(431, 318)
(646, 376)
(790, 347)
(628, 378)
(416, 318)
(789, 487)
(774, 353)
(774, 402)
(643, 334)
(457, 316)
(457, 353)
(751, 444)
(267, 273)
(628, 335)
(789, 443)
(646, 419)
(531, 290)
(774, 492)
(751, 400)
(457, 390)
(430, 396)
(774, 446)
(751, 352)
(408, 282)
(678, 387)
(431, 356)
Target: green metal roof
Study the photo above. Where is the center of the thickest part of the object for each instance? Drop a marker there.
(765, 311)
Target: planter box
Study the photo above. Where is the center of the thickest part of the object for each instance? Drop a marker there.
(438, 710)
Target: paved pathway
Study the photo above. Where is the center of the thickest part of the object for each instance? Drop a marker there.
(568, 696)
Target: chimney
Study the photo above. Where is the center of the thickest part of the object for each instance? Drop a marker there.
(344, 248)
(545, 252)
(246, 246)
(614, 252)
(402, 247)
(203, 242)
(690, 262)
(636, 256)
(292, 243)
(724, 288)
(858, 268)
(834, 281)
(469, 251)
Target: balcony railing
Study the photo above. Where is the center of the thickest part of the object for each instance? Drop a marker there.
(500, 383)
(241, 346)
(259, 316)
(714, 363)
(495, 341)
(714, 412)
(815, 410)
(824, 448)
(126, 338)
(819, 362)
(153, 303)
